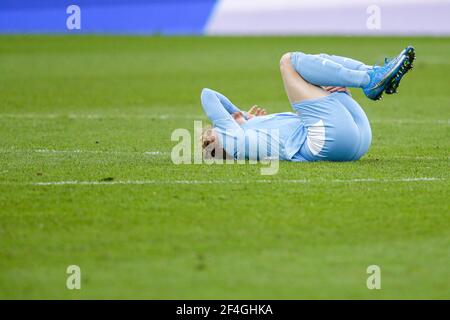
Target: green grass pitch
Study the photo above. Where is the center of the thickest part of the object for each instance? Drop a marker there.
(101, 109)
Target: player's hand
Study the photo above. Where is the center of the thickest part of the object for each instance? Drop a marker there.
(239, 118)
(256, 111)
(331, 89)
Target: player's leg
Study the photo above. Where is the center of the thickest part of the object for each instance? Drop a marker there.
(297, 89)
(321, 71)
(353, 64)
(348, 63)
(332, 133)
(325, 72)
(361, 121)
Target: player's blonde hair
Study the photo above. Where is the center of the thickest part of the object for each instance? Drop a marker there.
(210, 145)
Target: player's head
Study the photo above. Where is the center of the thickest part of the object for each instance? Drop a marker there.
(210, 145)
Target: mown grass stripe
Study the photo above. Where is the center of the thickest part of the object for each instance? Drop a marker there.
(200, 182)
(75, 116)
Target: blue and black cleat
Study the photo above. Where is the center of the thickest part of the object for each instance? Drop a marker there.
(408, 65)
(389, 75)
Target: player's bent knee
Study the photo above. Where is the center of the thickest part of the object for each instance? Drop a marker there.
(285, 61)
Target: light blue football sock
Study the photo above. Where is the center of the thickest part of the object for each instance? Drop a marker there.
(325, 72)
(348, 63)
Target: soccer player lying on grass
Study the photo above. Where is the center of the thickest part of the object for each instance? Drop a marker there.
(328, 124)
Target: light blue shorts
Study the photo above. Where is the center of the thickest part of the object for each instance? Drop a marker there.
(337, 129)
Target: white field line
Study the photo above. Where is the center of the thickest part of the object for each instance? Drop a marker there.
(166, 153)
(411, 121)
(78, 151)
(215, 182)
(156, 153)
(418, 157)
(96, 116)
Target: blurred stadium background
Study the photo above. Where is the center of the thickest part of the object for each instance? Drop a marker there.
(228, 17)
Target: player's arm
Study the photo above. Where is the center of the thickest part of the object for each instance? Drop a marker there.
(238, 115)
(226, 103)
(217, 112)
(229, 132)
(242, 117)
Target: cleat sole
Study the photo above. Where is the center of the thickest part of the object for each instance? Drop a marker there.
(400, 65)
(407, 66)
